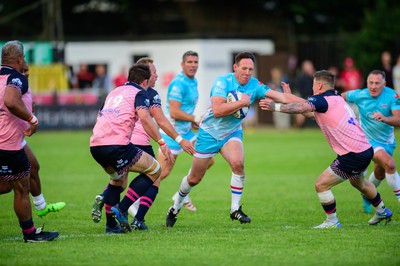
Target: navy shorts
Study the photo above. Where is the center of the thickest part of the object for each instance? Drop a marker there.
(119, 157)
(351, 165)
(14, 165)
(147, 148)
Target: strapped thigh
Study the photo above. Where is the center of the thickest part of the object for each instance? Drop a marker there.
(153, 168)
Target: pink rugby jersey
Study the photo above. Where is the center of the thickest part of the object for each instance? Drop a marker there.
(338, 123)
(118, 117)
(12, 127)
(139, 135)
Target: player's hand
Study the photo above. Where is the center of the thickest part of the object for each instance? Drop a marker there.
(286, 87)
(267, 104)
(245, 100)
(31, 130)
(187, 146)
(378, 116)
(167, 153)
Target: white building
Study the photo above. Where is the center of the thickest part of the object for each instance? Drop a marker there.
(215, 58)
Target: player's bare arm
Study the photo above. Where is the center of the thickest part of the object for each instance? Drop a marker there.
(290, 108)
(13, 101)
(167, 127)
(390, 120)
(151, 128)
(221, 108)
(279, 97)
(178, 114)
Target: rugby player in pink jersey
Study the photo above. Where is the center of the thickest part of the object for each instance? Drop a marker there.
(16, 122)
(42, 208)
(111, 146)
(141, 139)
(344, 134)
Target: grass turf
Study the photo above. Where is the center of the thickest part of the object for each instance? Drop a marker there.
(279, 196)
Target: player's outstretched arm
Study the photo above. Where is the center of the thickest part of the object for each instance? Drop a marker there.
(290, 108)
(151, 128)
(169, 129)
(280, 97)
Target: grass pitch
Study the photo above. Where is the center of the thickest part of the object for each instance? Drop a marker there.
(279, 196)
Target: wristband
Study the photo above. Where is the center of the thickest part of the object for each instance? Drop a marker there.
(161, 142)
(33, 120)
(197, 119)
(277, 107)
(178, 139)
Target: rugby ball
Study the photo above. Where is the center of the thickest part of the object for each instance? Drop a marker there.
(234, 96)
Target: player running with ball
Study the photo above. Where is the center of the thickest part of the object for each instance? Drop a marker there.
(221, 132)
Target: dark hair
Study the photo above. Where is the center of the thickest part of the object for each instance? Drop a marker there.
(378, 72)
(11, 51)
(138, 73)
(325, 76)
(189, 53)
(244, 55)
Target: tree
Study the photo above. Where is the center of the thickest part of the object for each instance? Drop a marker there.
(379, 32)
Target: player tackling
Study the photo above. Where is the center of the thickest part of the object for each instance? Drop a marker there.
(344, 134)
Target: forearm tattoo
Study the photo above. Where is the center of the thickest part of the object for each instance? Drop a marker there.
(296, 108)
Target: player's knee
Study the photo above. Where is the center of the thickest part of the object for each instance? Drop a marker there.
(237, 166)
(193, 180)
(391, 166)
(5, 188)
(320, 186)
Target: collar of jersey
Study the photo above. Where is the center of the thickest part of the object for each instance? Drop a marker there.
(131, 83)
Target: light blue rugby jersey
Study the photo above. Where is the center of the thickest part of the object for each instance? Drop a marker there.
(184, 90)
(384, 103)
(221, 127)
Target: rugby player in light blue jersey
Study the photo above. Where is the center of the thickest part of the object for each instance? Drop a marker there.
(182, 97)
(379, 108)
(221, 132)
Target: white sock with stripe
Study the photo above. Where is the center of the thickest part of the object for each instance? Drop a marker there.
(393, 181)
(184, 190)
(237, 184)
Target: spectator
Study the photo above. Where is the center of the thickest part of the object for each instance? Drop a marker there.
(351, 79)
(386, 66)
(72, 78)
(281, 120)
(120, 78)
(102, 82)
(304, 84)
(396, 75)
(84, 77)
(350, 76)
(338, 82)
